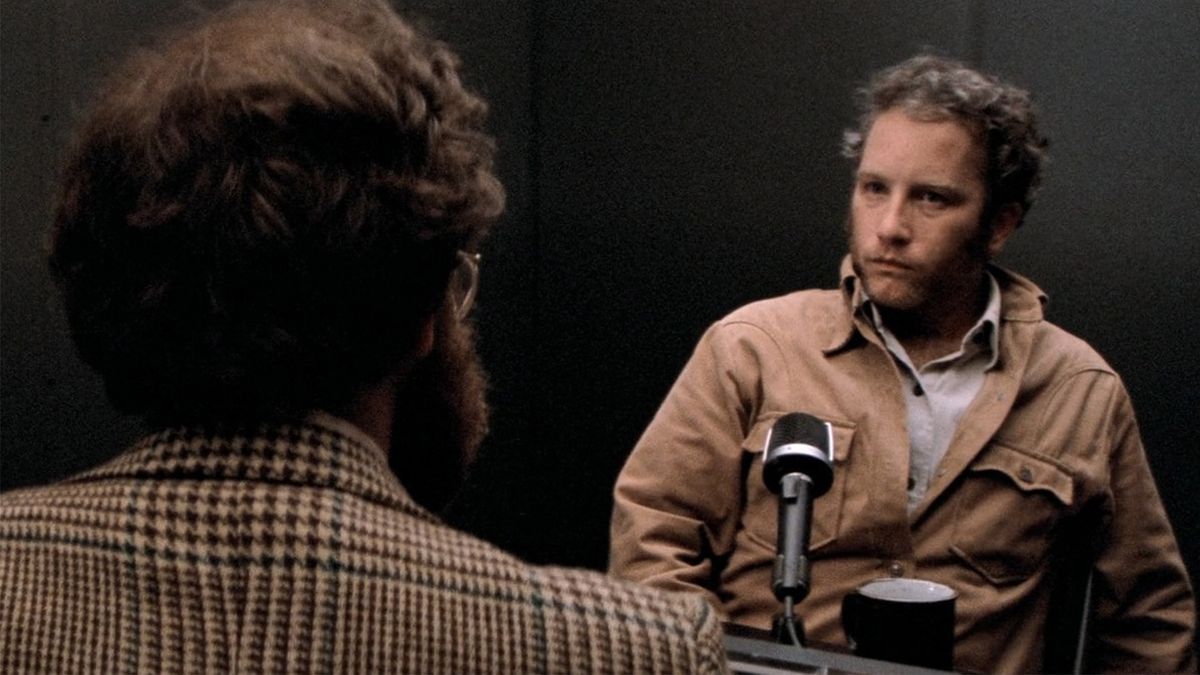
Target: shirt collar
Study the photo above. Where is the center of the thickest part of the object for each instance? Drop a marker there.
(986, 331)
(1021, 301)
(984, 336)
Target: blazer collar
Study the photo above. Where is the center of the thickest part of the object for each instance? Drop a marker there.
(319, 451)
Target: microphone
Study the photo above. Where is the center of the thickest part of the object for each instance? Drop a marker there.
(797, 466)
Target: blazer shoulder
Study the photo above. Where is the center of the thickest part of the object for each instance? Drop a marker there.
(653, 630)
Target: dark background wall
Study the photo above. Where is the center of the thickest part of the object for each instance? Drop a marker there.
(667, 162)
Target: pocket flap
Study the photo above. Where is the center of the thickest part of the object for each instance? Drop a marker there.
(1028, 471)
(759, 520)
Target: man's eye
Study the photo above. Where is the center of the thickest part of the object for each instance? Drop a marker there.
(873, 187)
(935, 198)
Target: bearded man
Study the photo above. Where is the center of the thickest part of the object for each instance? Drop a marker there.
(267, 245)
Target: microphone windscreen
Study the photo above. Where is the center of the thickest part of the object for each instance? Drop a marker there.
(799, 443)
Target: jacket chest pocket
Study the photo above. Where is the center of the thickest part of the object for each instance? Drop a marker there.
(761, 513)
(1007, 512)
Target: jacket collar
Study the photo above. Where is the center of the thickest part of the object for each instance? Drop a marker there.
(1020, 300)
(319, 451)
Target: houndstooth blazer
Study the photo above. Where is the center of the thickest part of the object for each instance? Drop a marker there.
(295, 549)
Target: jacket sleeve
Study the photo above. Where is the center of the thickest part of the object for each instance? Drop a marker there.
(583, 622)
(710, 645)
(678, 498)
(1144, 610)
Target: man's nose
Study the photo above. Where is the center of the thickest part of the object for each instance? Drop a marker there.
(894, 225)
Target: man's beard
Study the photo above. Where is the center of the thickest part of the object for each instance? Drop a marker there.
(922, 286)
(441, 416)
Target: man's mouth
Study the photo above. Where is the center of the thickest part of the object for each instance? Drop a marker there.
(889, 264)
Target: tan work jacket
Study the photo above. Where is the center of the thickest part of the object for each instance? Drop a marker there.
(1047, 454)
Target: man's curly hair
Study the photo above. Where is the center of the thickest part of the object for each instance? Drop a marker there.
(257, 216)
(935, 88)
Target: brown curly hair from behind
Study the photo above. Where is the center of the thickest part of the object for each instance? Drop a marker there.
(258, 215)
(936, 88)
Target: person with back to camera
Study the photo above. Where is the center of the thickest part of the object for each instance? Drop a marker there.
(976, 444)
(266, 241)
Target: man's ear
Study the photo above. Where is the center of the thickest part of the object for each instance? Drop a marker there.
(1004, 222)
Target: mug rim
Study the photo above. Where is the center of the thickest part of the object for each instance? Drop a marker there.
(945, 592)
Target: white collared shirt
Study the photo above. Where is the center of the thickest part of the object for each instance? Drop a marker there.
(939, 392)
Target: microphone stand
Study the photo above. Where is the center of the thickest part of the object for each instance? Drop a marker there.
(797, 465)
(790, 578)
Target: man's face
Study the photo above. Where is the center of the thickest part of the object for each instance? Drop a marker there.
(441, 416)
(916, 238)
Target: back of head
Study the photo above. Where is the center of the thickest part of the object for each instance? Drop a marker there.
(258, 215)
(934, 88)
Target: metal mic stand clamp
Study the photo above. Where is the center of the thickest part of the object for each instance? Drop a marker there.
(787, 628)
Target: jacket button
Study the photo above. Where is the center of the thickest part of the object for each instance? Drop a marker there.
(1025, 474)
(896, 569)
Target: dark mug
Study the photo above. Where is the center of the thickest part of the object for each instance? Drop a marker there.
(903, 621)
